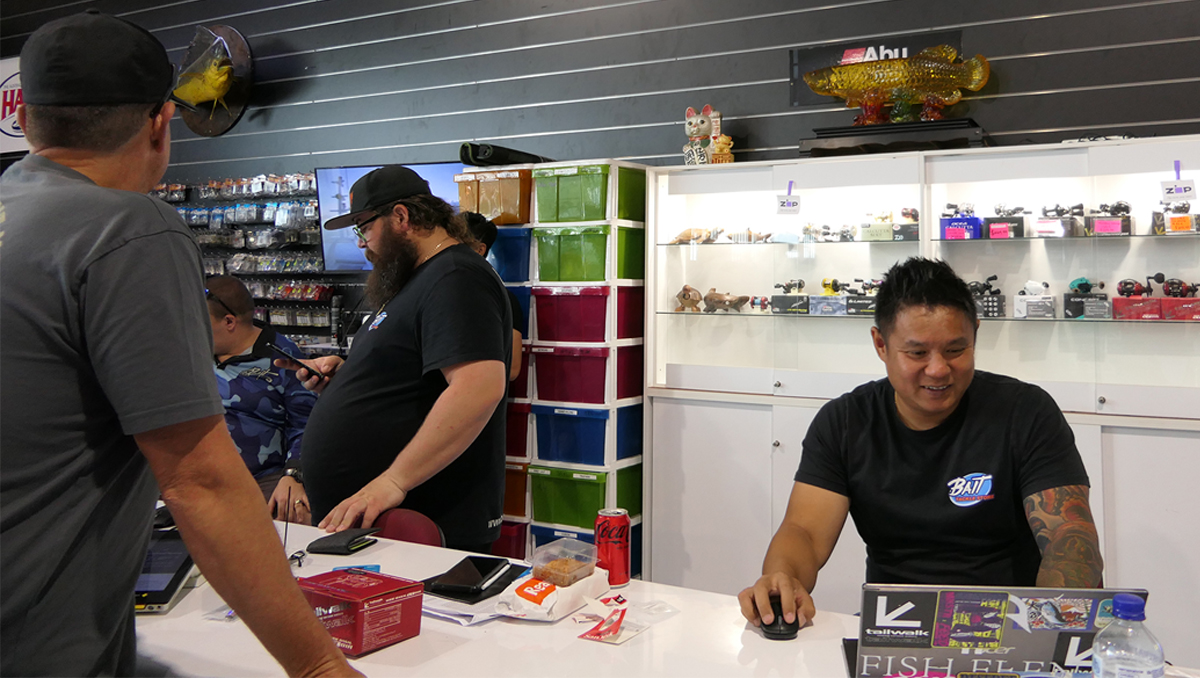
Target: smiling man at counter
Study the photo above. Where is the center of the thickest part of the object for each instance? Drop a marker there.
(953, 476)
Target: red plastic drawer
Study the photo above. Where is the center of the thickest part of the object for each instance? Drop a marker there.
(519, 387)
(571, 313)
(631, 308)
(577, 374)
(517, 430)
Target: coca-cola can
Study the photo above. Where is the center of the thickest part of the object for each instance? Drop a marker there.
(612, 544)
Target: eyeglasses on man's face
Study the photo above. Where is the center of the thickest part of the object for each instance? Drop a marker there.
(212, 297)
(361, 227)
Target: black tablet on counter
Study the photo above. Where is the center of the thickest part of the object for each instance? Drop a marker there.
(165, 573)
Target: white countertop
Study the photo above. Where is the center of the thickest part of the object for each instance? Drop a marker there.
(708, 637)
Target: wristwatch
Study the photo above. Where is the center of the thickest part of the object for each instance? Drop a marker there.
(294, 474)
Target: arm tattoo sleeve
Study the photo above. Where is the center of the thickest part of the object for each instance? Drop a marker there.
(1062, 525)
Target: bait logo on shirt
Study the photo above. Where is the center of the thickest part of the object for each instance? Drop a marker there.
(971, 489)
(378, 320)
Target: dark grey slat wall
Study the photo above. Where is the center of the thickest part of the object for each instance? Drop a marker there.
(343, 82)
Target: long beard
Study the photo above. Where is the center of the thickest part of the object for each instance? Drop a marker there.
(393, 267)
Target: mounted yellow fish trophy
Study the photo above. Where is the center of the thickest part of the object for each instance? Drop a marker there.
(215, 80)
(918, 86)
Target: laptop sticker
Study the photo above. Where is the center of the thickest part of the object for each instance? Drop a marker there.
(970, 618)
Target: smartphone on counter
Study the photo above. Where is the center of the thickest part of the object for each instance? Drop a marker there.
(471, 575)
(284, 354)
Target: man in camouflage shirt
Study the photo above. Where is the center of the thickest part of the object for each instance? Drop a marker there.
(266, 408)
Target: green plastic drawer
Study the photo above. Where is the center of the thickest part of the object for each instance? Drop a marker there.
(570, 497)
(629, 489)
(572, 254)
(631, 194)
(565, 496)
(577, 193)
(631, 253)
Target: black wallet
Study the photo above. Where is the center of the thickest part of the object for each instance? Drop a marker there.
(345, 542)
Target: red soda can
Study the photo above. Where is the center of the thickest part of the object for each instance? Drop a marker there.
(612, 544)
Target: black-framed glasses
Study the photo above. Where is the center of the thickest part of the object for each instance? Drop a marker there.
(212, 297)
(358, 228)
(297, 558)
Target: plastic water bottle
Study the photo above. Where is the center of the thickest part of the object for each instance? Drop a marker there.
(1126, 648)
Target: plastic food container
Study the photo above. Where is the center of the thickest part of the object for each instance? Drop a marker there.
(564, 562)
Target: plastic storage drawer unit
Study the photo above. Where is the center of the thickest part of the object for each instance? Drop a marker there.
(519, 387)
(580, 435)
(580, 253)
(581, 313)
(510, 254)
(517, 430)
(522, 295)
(570, 497)
(580, 193)
(578, 374)
(513, 537)
(571, 313)
(543, 535)
(503, 196)
(516, 482)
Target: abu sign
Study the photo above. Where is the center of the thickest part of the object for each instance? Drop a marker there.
(12, 138)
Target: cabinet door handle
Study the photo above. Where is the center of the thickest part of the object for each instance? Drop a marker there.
(778, 384)
(775, 443)
(1102, 400)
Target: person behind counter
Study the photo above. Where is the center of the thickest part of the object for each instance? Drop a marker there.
(107, 382)
(484, 231)
(415, 415)
(953, 476)
(266, 407)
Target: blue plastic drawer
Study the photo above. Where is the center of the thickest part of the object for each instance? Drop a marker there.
(579, 435)
(510, 253)
(522, 295)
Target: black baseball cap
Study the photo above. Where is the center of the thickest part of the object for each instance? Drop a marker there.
(378, 188)
(91, 59)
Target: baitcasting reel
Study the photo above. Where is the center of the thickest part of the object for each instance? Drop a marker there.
(982, 289)
(1058, 211)
(791, 286)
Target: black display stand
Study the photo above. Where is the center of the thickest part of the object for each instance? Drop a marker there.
(895, 137)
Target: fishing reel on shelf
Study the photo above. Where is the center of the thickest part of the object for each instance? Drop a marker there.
(832, 286)
(910, 213)
(791, 286)
(1058, 211)
(1085, 286)
(1174, 287)
(867, 287)
(983, 289)
(1119, 208)
(1003, 210)
(1132, 288)
(1177, 207)
(1034, 287)
(960, 211)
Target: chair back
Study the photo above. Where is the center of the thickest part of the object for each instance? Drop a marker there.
(404, 524)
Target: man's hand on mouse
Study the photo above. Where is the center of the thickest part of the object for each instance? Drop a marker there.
(756, 600)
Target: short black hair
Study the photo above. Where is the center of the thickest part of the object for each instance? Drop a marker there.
(99, 129)
(227, 293)
(482, 228)
(921, 282)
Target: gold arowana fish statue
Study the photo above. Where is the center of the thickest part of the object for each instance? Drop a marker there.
(211, 84)
(930, 79)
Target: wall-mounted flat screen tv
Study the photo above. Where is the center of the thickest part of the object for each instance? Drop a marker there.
(333, 199)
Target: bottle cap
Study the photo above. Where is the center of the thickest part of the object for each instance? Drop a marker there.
(1129, 607)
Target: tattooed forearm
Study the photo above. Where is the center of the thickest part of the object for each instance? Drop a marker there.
(1062, 525)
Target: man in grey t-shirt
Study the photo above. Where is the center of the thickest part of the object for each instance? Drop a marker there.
(105, 352)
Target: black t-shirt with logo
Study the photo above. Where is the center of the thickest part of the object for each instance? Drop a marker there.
(944, 506)
(453, 310)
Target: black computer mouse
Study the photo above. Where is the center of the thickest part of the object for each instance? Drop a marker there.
(779, 629)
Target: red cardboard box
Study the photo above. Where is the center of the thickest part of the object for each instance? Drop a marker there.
(1137, 308)
(363, 610)
(1175, 308)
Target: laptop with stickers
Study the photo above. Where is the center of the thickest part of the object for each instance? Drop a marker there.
(979, 632)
